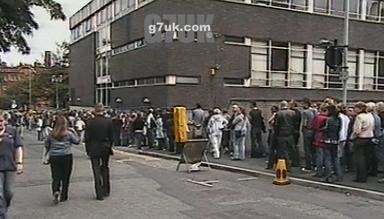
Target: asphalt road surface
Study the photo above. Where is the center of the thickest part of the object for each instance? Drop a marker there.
(146, 187)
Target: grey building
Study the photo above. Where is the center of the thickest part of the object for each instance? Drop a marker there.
(264, 50)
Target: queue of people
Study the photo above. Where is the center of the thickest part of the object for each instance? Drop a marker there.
(335, 139)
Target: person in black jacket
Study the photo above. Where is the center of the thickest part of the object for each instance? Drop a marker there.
(284, 123)
(258, 126)
(98, 143)
(331, 132)
(296, 133)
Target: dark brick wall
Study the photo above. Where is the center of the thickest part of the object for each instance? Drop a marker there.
(254, 21)
(195, 59)
(149, 61)
(82, 71)
(133, 97)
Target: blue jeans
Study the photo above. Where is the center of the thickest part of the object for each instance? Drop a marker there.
(239, 147)
(320, 161)
(7, 180)
(138, 139)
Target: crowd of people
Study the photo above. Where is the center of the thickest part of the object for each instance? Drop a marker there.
(335, 138)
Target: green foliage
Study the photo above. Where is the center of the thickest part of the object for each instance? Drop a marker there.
(43, 89)
(17, 21)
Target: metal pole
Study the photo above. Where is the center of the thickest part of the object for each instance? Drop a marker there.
(57, 94)
(345, 72)
(30, 88)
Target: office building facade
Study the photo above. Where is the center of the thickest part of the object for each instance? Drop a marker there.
(263, 50)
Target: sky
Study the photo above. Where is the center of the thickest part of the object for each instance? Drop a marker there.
(45, 38)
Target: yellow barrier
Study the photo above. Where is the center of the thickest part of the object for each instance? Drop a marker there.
(180, 124)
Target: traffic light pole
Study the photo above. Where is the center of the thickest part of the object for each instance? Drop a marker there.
(345, 72)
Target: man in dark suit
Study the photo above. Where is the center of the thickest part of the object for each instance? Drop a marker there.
(98, 144)
(258, 126)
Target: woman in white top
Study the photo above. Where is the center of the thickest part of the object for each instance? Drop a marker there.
(363, 133)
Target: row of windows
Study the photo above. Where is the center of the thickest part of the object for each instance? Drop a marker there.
(129, 47)
(102, 65)
(87, 11)
(162, 80)
(82, 22)
(277, 64)
(372, 9)
(103, 94)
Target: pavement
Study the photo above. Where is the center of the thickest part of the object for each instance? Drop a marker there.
(257, 166)
(149, 187)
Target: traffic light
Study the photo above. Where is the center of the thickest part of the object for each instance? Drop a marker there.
(334, 57)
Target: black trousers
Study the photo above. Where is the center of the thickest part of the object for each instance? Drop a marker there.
(272, 142)
(361, 153)
(61, 169)
(257, 146)
(100, 168)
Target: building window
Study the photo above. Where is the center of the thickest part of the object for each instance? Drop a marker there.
(129, 47)
(233, 82)
(259, 64)
(299, 4)
(321, 6)
(369, 70)
(373, 10)
(187, 80)
(234, 39)
(281, 3)
(380, 75)
(117, 7)
(354, 8)
(262, 2)
(337, 7)
(353, 73)
(279, 64)
(104, 66)
(318, 68)
(297, 66)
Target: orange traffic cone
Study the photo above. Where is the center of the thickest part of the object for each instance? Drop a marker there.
(281, 173)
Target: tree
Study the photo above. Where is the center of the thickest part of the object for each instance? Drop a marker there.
(43, 89)
(17, 21)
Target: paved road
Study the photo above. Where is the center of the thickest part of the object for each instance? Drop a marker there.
(145, 187)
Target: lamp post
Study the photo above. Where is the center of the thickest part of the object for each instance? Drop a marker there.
(57, 79)
(335, 52)
(30, 87)
(345, 73)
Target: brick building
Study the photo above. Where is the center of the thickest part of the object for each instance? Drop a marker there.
(267, 50)
(12, 75)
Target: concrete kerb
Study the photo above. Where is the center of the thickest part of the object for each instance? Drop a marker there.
(347, 190)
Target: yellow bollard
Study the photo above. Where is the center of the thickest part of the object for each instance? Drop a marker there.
(180, 124)
(281, 173)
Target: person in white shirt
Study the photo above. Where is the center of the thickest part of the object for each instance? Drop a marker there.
(79, 127)
(39, 128)
(215, 128)
(362, 135)
(343, 129)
